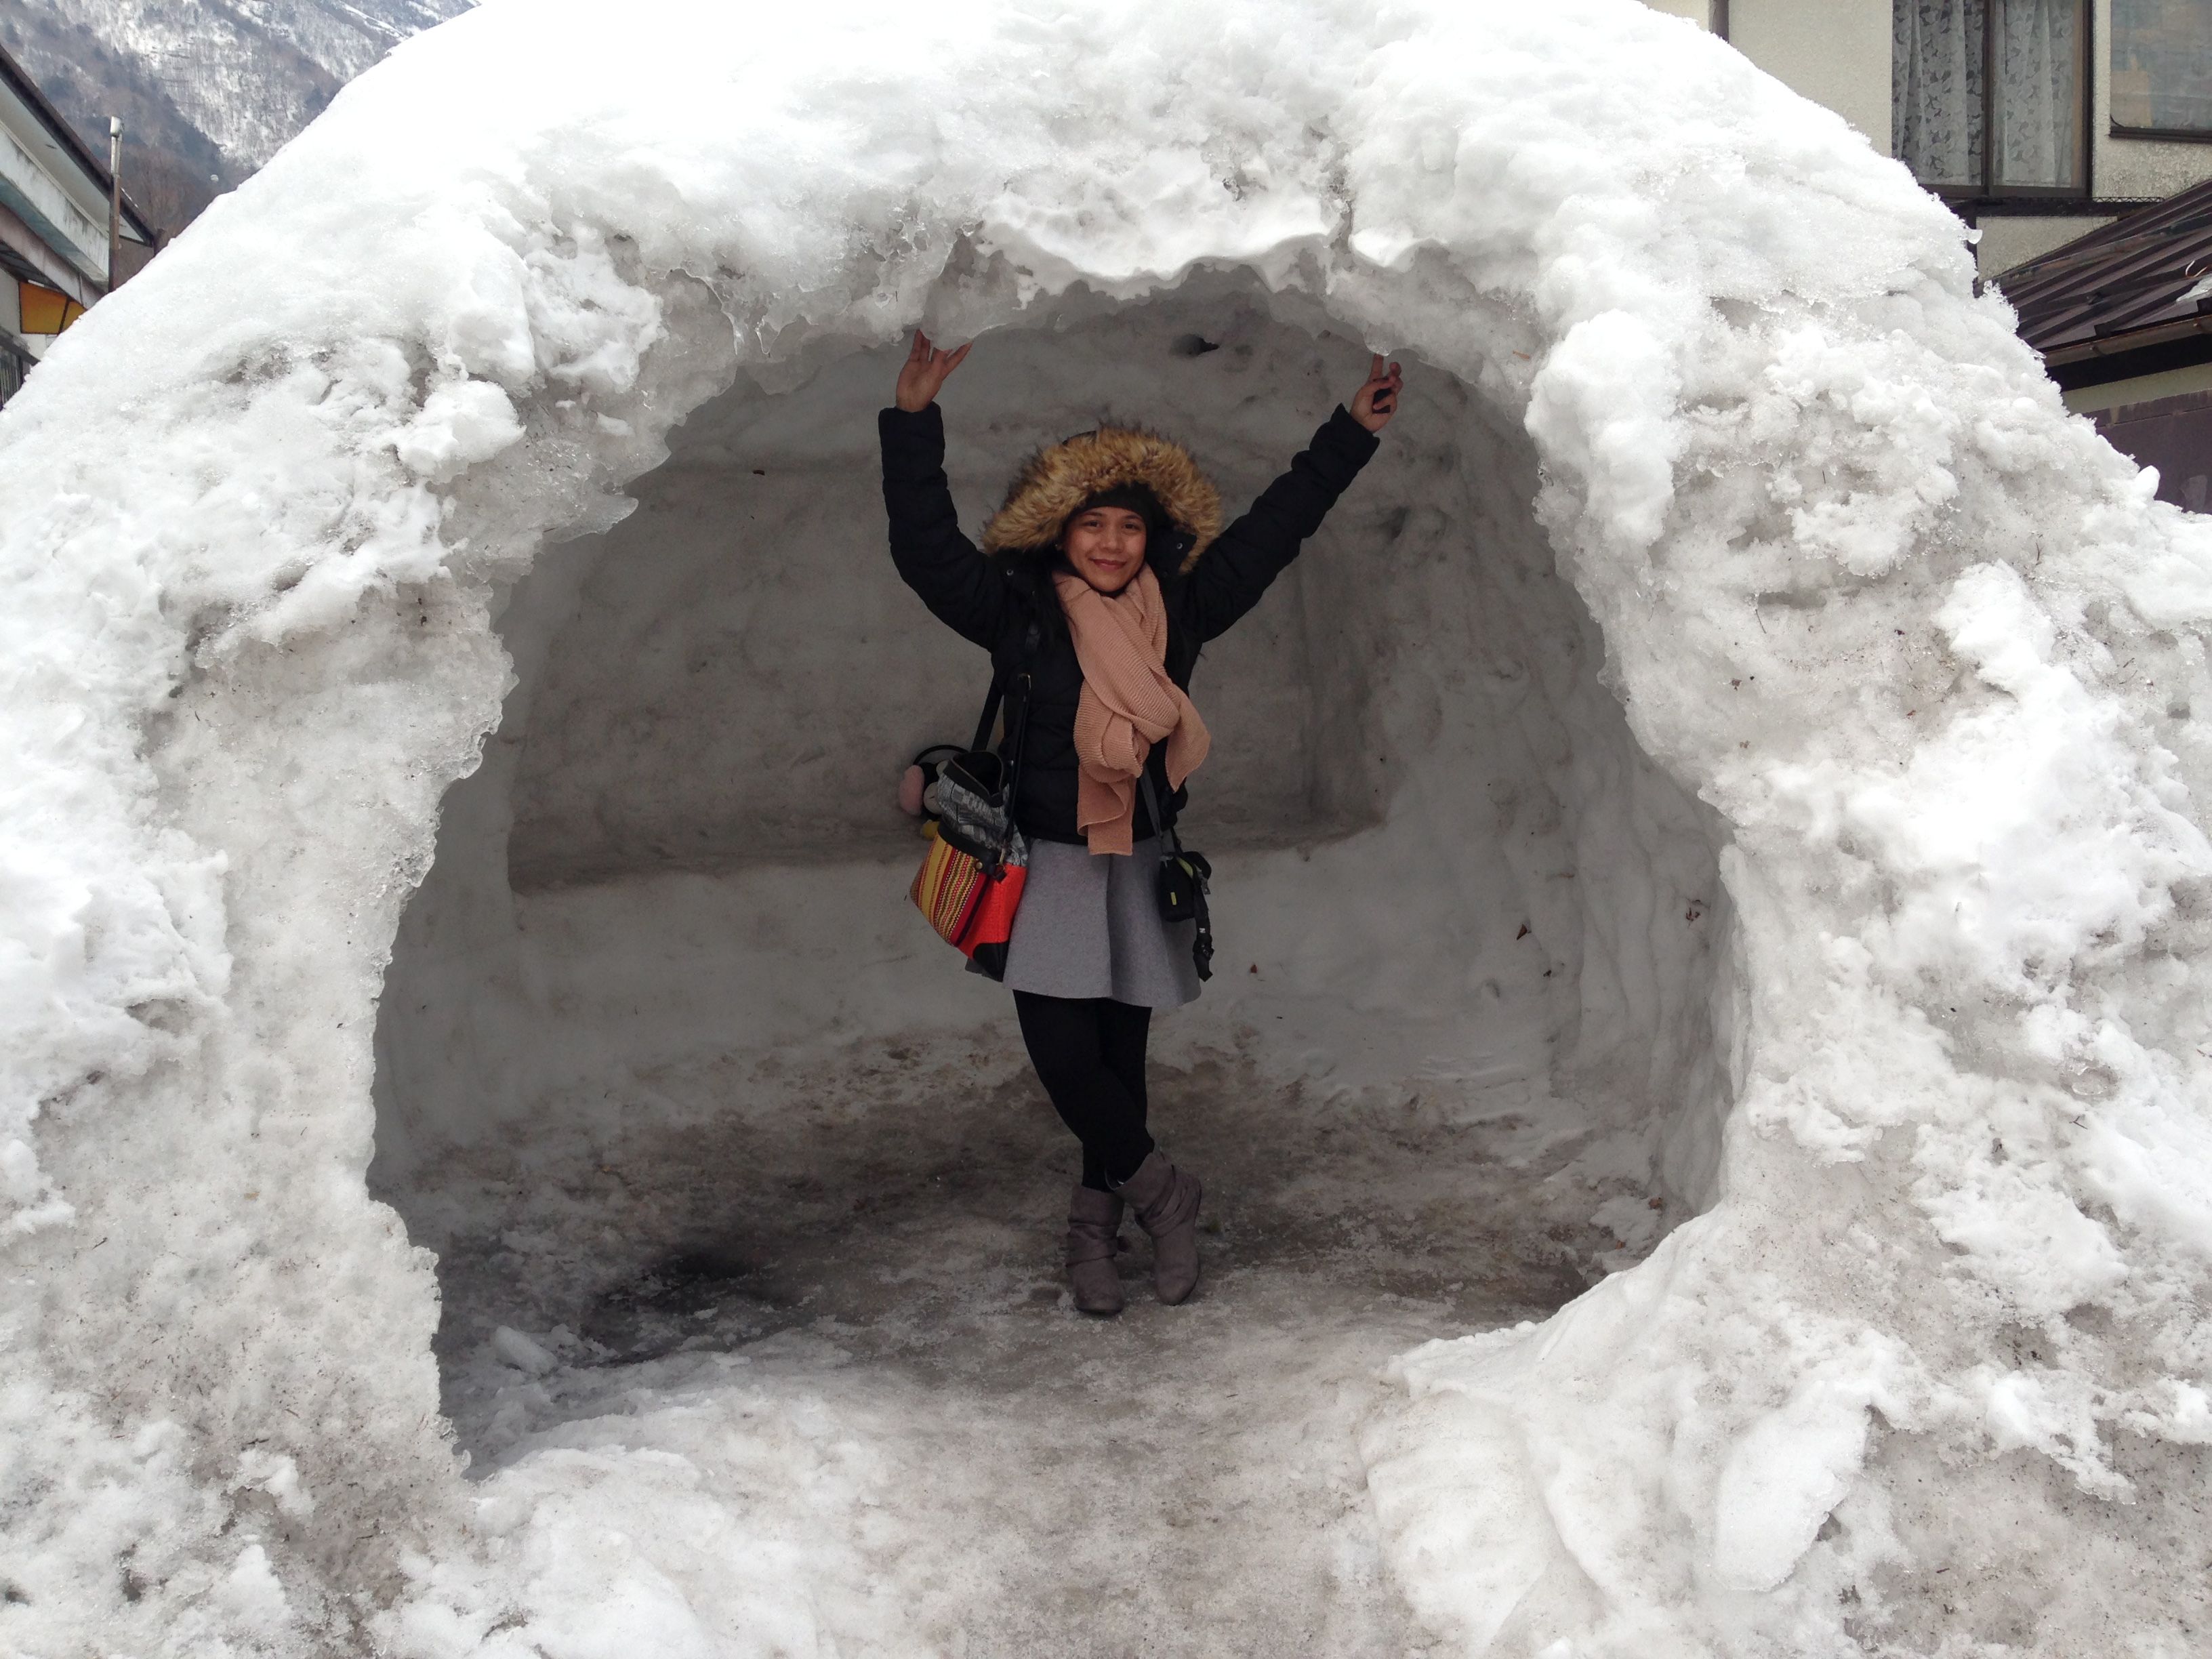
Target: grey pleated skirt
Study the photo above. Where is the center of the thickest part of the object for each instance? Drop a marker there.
(1089, 927)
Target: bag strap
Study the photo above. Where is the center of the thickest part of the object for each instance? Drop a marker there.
(990, 711)
(1170, 844)
(1201, 938)
(1020, 716)
(1030, 641)
(1024, 681)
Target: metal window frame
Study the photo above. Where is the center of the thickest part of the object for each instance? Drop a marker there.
(2159, 134)
(2085, 152)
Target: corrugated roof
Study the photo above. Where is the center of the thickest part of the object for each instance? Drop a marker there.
(2144, 280)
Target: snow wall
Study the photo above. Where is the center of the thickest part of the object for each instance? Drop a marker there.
(1427, 806)
(1728, 537)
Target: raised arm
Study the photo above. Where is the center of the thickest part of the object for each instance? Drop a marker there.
(962, 588)
(1230, 575)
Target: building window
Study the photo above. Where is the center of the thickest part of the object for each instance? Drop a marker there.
(1992, 97)
(2162, 66)
(44, 311)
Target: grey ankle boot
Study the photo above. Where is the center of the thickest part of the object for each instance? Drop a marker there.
(1094, 1239)
(1166, 1203)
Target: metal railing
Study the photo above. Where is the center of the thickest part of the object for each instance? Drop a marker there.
(14, 364)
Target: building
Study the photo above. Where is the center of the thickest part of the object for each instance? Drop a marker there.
(2120, 316)
(2096, 107)
(54, 205)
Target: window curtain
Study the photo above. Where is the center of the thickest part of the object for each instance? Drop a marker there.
(2038, 93)
(1937, 102)
(1935, 90)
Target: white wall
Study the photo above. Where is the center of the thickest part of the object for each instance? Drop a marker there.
(1834, 52)
(2009, 240)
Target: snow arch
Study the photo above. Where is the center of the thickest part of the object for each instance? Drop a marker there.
(1924, 648)
(689, 773)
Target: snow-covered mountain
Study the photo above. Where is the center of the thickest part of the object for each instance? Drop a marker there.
(208, 89)
(248, 74)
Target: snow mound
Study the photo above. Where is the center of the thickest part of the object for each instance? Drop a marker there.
(1924, 649)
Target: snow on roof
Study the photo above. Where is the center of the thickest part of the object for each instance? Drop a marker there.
(1926, 647)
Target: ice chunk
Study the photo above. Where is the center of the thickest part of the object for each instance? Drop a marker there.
(525, 1353)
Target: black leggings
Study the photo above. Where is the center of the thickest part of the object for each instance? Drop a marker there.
(1089, 1052)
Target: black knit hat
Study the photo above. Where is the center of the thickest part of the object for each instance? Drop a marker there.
(1136, 498)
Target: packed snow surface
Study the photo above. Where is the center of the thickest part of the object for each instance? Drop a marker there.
(1706, 1109)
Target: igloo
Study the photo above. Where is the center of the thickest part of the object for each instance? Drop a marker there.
(1735, 896)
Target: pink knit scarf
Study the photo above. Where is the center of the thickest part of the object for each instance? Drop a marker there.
(1129, 703)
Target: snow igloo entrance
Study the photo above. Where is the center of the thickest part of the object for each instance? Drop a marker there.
(669, 1076)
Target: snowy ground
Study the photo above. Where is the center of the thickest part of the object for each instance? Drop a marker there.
(848, 1319)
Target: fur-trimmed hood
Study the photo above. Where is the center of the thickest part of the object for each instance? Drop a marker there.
(1059, 478)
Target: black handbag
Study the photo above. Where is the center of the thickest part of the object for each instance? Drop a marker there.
(1182, 881)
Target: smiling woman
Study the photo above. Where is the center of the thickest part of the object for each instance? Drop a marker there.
(670, 1074)
(1113, 573)
(1105, 544)
(1714, 917)
(664, 677)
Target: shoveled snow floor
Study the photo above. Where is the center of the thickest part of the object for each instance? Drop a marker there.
(818, 1351)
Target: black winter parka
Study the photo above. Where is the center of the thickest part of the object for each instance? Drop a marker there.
(971, 593)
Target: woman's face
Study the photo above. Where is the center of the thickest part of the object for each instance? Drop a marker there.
(1106, 545)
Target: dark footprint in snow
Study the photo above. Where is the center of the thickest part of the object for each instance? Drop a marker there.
(708, 1297)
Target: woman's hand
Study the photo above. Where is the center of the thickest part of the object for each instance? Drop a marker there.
(1372, 406)
(924, 370)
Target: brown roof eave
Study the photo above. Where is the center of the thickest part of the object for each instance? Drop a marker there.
(2113, 345)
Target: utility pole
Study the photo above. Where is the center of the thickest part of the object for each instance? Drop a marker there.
(114, 201)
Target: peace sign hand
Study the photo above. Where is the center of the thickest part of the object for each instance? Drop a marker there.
(1373, 404)
(924, 372)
